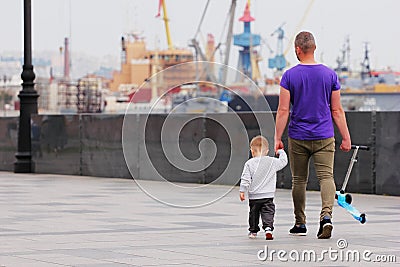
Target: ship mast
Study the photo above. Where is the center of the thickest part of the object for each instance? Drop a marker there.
(365, 67)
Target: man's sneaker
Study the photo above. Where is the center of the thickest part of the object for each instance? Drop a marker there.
(268, 234)
(252, 235)
(298, 230)
(325, 228)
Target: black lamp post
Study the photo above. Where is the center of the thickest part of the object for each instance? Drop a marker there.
(28, 100)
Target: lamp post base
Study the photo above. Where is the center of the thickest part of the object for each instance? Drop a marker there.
(24, 163)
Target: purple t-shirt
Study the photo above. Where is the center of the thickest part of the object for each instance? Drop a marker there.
(310, 88)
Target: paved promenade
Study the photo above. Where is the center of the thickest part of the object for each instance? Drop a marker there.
(54, 220)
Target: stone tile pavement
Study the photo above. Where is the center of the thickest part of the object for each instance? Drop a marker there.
(56, 220)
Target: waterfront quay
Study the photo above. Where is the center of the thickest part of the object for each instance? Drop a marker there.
(63, 220)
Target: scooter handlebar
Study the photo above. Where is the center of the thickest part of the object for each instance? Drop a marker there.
(360, 147)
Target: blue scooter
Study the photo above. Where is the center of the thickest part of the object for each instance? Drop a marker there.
(344, 199)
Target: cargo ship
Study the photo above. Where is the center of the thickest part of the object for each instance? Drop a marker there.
(367, 89)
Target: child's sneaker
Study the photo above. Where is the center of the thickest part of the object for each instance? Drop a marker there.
(298, 230)
(252, 235)
(325, 228)
(268, 234)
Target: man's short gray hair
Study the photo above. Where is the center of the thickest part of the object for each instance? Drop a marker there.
(306, 41)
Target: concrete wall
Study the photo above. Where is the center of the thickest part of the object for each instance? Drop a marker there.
(92, 145)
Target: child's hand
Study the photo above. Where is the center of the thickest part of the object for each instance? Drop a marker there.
(242, 197)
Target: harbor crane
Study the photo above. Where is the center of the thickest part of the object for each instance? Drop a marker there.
(248, 41)
(278, 62)
(166, 22)
(303, 19)
(199, 52)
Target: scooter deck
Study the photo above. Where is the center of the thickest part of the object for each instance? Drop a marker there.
(341, 200)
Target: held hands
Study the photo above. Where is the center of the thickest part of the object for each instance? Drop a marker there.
(242, 197)
(278, 145)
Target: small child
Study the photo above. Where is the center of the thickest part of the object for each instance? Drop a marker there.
(259, 180)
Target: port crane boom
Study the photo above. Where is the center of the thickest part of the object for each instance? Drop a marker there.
(166, 22)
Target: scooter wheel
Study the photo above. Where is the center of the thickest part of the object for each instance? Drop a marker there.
(363, 219)
(348, 199)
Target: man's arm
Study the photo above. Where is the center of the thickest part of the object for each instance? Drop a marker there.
(339, 117)
(281, 117)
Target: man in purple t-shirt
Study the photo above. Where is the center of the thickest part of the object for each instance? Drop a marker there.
(313, 91)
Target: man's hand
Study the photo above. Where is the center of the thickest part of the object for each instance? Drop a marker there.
(346, 145)
(242, 197)
(278, 145)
